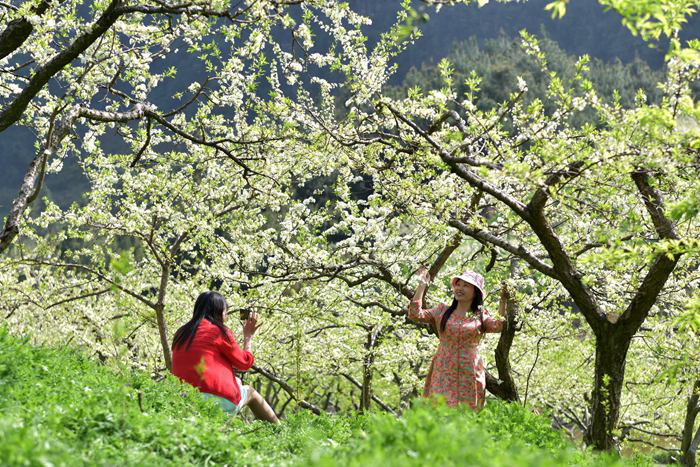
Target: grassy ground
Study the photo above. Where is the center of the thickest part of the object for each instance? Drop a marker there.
(57, 407)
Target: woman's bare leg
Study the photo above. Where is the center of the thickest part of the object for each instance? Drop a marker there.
(261, 409)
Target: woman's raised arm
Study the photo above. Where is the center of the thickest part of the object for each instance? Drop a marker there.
(415, 308)
(491, 324)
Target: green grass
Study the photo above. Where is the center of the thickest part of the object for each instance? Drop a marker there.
(58, 407)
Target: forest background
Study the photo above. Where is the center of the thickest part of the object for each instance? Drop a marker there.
(307, 171)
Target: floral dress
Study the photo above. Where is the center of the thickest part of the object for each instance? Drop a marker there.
(457, 371)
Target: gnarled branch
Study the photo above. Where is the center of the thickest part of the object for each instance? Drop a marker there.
(519, 250)
(663, 265)
(19, 30)
(505, 387)
(12, 112)
(690, 443)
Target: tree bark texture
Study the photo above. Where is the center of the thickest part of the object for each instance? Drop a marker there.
(610, 357)
(160, 317)
(18, 31)
(690, 443)
(367, 364)
(13, 112)
(33, 179)
(29, 186)
(163, 332)
(504, 387)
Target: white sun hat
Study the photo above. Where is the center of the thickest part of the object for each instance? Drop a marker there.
(473, 278)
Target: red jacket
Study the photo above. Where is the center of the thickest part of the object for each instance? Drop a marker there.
(209, 362)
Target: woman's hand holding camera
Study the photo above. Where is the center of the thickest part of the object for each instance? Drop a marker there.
(250, 325)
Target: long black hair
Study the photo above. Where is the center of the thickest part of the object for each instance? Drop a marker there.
(209, 306)
(476, 306)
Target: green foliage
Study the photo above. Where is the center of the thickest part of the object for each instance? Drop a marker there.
(493, 69)
(687, 207)
(502, 434)
(558, 8)
(122, 264)
(690, 319)
(60, 408)
(652, 19)
(409, 25)
(327, 273)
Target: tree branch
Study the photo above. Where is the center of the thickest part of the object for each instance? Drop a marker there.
(9, 6)
(288, 389)
(374, 398)
(566, 272)
(33, 178)
(199, 91)
(188, 8)
(470, 177)
(376, 304)
(97, 274)
(541, 196)
(654, 204)
(663, 264)
(12, 112)
(19, 30)
(591, 246)
(79, 297)
(444, 255)
(145, 145)
(519, 251)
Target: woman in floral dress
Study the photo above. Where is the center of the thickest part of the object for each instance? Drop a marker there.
(457, 372)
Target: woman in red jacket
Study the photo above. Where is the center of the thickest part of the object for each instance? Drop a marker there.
(205, 355)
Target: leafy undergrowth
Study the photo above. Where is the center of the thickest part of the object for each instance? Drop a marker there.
(58, 407)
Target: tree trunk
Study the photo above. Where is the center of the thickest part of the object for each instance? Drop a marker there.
(366, 397)
(163, 331)
(505, 387)
(691, 454)
(34, 177)
(160, 317)
(367, 363)
(610, 356)
(689, 446)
